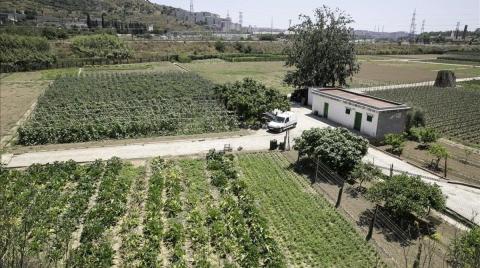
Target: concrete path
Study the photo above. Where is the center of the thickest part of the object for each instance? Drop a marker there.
(463, 200)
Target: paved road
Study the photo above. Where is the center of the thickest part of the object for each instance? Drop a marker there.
(461, 199)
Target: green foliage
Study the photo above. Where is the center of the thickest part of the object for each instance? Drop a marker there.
(251, 99)
(424, 135)
(313, 232)
(338, 148)
(439, 152)
(464, 250)
(396, 141)
(365, 172)
(118, 106)
(403, 194)
(100, 46)
(220, 46)
(24, 52)
(183, 58)
(322, 51)
(415, 118)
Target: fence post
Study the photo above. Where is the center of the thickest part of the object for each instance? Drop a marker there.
(340, 193)
(316, 170)
(372, 224)
(445, 169)
(391, 170)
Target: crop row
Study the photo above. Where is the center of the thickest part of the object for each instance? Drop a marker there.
(41, 208)
(453, 112)
(95, 248)
(118, 106)
(327, 240)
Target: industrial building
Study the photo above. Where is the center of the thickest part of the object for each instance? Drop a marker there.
(370, 116)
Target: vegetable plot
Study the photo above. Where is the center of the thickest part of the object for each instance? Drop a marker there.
(309, 230)
(120, 106)
(454, 112)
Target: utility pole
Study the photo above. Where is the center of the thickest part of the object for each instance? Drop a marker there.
(271, 26)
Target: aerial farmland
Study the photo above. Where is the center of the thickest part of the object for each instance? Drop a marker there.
(158, 136)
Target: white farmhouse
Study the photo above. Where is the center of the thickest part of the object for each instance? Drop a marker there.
(371, 116)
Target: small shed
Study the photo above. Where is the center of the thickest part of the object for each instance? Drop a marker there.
(371, 116)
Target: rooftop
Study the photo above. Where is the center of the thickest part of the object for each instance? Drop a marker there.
(366, 100)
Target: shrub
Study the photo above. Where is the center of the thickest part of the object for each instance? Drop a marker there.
(220, 46)
(100, 46)
(438, 152)
(424, 135)
(465, 249)
(183, 58)
(396, 141)
(251, 99)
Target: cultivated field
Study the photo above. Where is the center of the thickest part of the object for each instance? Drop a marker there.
(173, 213)
(218, 71)
(373, 71)
(307, 227)
(454, 112)
(118, 106)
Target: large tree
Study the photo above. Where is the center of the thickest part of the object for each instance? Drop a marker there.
(322, 50)
(465, 249)
(338, 148)
(404, 194)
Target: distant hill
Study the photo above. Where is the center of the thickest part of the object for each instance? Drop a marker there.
(125, 10)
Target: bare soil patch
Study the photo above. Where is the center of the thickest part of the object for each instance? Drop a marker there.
(17, 94)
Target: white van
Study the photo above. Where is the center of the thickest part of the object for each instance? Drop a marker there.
(283, 121)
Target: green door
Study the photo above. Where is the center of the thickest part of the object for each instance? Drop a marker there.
(325, 110)
(358, 121)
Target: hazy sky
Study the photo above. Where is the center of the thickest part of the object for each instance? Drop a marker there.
(392, 15)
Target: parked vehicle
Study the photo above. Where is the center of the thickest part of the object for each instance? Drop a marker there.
(283, 121)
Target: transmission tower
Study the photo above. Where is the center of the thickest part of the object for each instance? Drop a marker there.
(240, 18)
(413, 25)
(289, 23)
(457, 30)
(191, 6)
(423, 27)
(228, 14)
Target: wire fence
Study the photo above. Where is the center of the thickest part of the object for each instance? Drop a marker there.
(408, 237)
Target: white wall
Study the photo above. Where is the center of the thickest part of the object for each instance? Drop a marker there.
(336, 113)
(310, 96)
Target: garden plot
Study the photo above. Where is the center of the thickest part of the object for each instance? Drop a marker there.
(454, 112)
(119, 106)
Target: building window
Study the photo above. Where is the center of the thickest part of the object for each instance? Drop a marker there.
(369, 117)
(348, 110)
